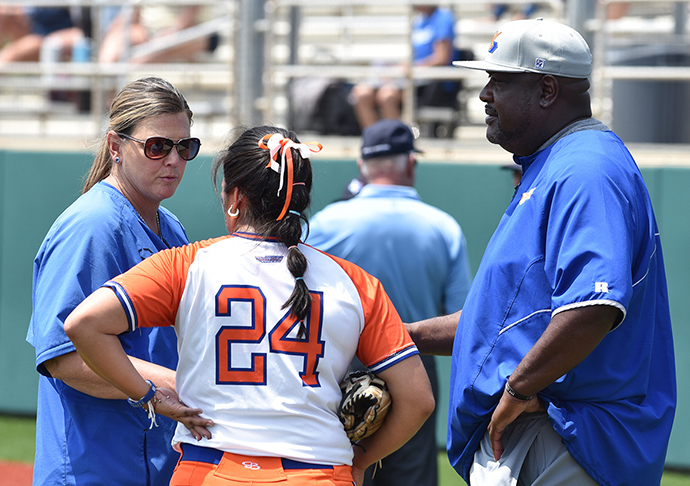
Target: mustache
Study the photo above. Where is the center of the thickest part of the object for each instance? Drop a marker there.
(489, 110)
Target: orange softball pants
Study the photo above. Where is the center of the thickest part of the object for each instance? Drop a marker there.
(203, 466)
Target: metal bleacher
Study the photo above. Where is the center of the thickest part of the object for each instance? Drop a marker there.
(352, 41)
(266, 46)
(41, 99)
(336, 39)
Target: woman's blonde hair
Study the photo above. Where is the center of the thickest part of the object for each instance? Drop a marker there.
(139, 100)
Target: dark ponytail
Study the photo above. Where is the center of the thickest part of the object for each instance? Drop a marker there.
(300, 299)
(244, 167)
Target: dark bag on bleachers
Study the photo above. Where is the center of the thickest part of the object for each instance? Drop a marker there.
(321, 105)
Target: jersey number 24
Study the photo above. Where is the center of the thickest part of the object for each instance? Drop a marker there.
(310, 347)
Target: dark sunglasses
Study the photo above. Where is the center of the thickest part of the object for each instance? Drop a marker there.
(159, 147)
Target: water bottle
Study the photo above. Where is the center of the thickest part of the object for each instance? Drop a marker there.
(81, 51)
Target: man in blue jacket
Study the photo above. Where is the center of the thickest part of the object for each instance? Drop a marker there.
(563, 370)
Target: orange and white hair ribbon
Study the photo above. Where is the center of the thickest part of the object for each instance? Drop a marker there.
(276, 144)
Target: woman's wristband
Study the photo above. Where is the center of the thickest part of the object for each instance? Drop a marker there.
(146, 398)
(517, 395)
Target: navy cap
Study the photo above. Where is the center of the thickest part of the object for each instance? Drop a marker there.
(387, 137)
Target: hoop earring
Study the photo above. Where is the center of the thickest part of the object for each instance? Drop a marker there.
(234, 214)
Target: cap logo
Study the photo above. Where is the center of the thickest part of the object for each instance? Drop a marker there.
(494, 45)
(539, 63)
(382, 147)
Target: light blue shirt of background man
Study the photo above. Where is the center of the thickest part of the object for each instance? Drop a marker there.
(417, 251)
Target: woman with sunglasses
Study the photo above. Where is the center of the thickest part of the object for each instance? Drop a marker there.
(267, 328)
(86, 432)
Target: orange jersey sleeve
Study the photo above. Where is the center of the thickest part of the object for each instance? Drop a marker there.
(150, 292)
(384, 340)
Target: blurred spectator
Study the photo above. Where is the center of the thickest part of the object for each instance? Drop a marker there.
(14, 24)
(432, 45)
(617, 10)
(158, 22)
(27, 29)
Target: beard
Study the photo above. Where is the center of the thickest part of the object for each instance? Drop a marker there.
(521, 119)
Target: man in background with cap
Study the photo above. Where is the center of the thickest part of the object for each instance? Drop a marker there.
(563, 370)
(417, 251)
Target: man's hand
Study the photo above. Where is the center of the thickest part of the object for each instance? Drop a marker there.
(569, 338)
(436, 335)
(507, 410)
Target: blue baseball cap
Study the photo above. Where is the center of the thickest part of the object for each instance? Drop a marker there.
(387, 137)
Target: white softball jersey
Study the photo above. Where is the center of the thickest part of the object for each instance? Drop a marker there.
(268, 391)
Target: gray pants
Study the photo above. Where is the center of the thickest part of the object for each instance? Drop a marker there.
(534, 455)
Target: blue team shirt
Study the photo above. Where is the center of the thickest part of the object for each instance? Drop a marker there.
(81, 439)
(417, 251)
(579, 231)
(427, 30)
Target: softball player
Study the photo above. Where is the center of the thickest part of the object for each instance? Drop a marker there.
(267, 328)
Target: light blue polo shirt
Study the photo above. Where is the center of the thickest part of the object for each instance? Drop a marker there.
(579, 231)
(417, 251)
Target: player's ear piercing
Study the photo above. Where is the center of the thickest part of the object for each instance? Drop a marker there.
(233, 214)
(117, 160)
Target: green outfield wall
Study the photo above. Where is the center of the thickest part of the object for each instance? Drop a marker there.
(35, 187)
